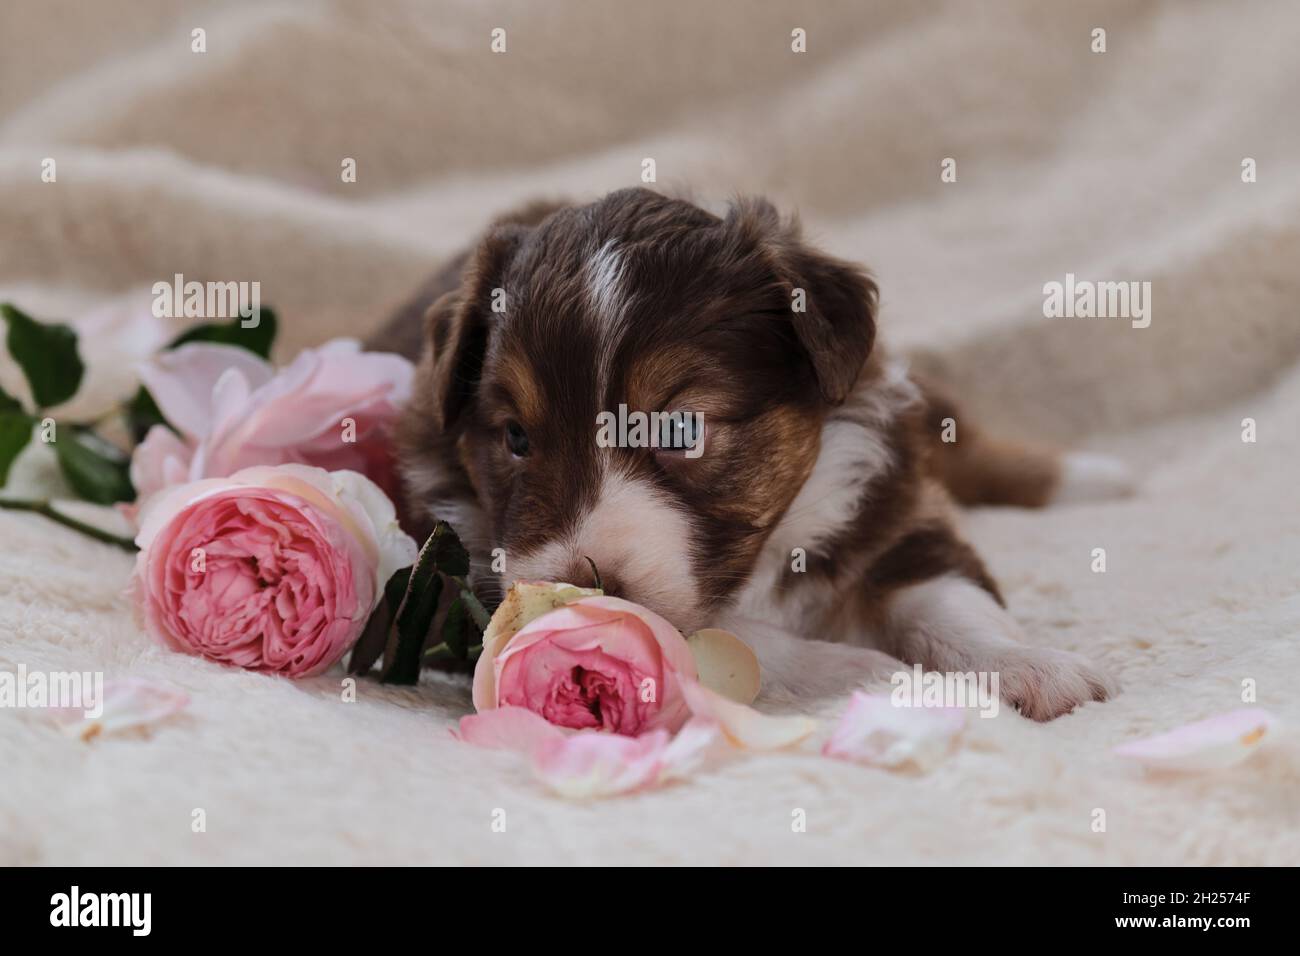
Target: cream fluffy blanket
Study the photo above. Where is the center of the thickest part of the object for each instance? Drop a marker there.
(1122, 165)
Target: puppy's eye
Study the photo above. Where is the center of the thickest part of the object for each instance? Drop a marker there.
(516, 439)
(683, 433)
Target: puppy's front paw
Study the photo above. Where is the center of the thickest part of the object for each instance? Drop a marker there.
(1043, 683)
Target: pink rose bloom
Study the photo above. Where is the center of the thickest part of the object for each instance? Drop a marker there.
(233, 410)
(270, 569)
(596, 662)
(606, 697)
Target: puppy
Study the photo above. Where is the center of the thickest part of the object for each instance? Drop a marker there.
(822, 498)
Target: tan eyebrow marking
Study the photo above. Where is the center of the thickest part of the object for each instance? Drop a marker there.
(517, 380)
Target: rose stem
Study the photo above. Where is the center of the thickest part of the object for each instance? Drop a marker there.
(48, 510)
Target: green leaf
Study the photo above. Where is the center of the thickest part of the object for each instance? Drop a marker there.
(479, 616)
(96, 470)
(448, 647)
(375, 636)
(47, 354)
(142, 413)
(409, 630)
(415, 614)
(424, 615)
(15, 432)
(257, 339)
(441, 554)
(447, 552)
(456, 629)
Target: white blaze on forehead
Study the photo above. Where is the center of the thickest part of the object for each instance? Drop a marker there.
(634, 533)
(606, 290)
(604, 273)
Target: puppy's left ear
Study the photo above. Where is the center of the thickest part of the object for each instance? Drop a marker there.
(835, 318)
(459, 325)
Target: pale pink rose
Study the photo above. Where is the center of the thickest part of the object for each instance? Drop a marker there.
(233, 410)
(875, 732)
(595, 662)
(126, 704)
(591, 764)
(1215, 743)
(272, 569)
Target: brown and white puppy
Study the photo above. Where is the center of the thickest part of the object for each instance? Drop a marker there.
(822, 497)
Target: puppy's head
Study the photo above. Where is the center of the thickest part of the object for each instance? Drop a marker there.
(653, 304)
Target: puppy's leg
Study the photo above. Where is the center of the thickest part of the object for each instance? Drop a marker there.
(981, 469)
(952, 620)
(797, 668)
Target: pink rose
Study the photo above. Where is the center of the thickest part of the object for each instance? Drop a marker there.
(591, 662)
(592, 689)
(233, 410)
(271, 569)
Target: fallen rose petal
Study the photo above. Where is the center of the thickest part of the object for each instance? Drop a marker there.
(593, 763)
(689, 749)
(590, 763)
(743, 726)
(874, 731)
(726, 664)
(128, 703)
(507, 728)
(1211, 744)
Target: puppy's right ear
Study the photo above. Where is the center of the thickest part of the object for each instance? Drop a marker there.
(459, 324)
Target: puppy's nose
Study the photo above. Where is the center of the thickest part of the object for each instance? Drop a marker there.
(582, 574)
